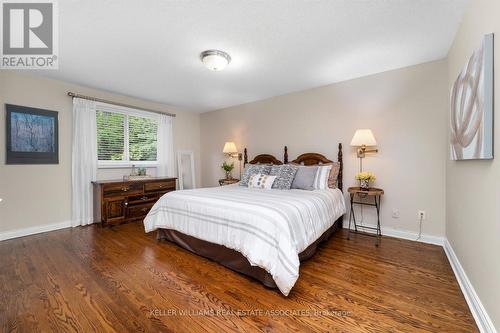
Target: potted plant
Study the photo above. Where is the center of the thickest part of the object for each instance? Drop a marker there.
(228, 168)
(364, 179)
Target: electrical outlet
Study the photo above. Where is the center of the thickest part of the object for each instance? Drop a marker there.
(395, 213)
(421, 214)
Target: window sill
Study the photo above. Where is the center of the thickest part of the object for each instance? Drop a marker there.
(126, 165)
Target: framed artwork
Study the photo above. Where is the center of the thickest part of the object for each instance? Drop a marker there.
(32, 135)
(472, 106)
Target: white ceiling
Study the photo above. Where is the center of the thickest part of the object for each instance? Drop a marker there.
(150, 49)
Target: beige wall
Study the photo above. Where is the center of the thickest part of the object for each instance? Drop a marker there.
(472, 187)
(35, 195)
(406, 109)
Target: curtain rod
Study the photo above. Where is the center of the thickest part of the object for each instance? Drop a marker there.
(72, 94)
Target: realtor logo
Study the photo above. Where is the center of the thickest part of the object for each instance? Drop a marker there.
(29, 35)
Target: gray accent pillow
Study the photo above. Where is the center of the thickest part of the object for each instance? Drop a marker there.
(304, 178)
(284, 176)
(254, 169)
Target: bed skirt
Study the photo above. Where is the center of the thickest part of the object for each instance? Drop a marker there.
(233, 259)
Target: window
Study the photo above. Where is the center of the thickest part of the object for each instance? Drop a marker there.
(125, 138)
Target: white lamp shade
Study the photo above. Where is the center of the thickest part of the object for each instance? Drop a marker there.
(363, 137)
(229, 148)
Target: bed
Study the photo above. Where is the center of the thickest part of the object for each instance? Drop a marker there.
(261, 233)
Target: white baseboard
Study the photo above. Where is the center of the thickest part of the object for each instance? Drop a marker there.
(404, 234)
(477, 309)
(33, 230)
(483, 321)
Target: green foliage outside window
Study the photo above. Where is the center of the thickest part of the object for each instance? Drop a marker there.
(142, 138)
(111, 134)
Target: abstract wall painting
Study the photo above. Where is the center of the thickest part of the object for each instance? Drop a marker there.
(472, 106)
(32, 135)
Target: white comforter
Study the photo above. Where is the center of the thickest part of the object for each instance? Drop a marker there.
(269, 227)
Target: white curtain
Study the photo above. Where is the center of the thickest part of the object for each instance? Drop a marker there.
(84, 161)
(165, 147)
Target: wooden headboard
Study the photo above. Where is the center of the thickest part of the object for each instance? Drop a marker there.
(311, 159)
(305, 159)
(316, 158)
(261, 159)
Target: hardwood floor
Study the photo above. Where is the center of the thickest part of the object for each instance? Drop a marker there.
(121, 280)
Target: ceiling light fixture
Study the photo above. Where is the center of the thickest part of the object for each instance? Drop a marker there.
(215, 60)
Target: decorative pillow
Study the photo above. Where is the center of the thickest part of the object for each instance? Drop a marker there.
(252, 170)
(321, 178)
(334, 174)
(304, 178)
(285, 175)
(262, 181)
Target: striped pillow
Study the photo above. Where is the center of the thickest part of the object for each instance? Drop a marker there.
(321, 178)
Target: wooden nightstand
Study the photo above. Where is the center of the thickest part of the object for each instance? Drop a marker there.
(376, 194)
(223, 182)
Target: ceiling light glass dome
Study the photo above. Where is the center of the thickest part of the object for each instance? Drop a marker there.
(215, 60)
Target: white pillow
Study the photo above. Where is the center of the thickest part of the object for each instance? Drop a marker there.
(321, 179)
(260, 180)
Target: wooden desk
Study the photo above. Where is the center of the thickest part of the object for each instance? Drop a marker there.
(118, 201)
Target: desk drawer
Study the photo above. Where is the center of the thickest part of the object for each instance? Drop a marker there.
(142, 199)
(159, 186)
(139, 211)
(122, 189)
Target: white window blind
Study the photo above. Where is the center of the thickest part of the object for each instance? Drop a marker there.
(126, 138)
(110, 136)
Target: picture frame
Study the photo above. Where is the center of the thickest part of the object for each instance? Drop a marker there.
(32, 135)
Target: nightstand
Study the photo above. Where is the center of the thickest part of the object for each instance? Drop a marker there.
(360, 194)
(223, 182)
